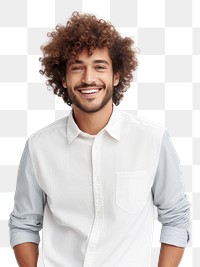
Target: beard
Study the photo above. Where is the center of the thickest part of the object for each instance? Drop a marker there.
(89, 107)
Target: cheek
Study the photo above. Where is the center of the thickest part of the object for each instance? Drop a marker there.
(73, 81)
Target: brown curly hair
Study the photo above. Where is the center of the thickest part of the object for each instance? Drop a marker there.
(86, 31)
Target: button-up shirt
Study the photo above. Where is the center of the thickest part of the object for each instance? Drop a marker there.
(94, 195)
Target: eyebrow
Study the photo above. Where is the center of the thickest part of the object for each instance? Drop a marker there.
(97, 61)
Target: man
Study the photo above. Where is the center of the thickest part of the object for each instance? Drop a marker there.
(91, 179)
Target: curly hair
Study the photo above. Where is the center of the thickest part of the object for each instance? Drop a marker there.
(86, 31)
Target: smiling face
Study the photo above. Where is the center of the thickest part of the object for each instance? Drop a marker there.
(90, 80)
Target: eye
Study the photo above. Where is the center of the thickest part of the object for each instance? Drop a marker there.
(100, 67)
(76, 68)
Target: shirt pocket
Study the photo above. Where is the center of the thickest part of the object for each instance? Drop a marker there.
(132, 190)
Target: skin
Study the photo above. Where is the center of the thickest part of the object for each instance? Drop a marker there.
(170, 256)
(26, 254)
(91, 113)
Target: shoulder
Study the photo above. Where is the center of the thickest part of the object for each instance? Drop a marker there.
(50, 131)
(141, 125)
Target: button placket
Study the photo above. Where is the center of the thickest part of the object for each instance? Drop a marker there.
(97, 192)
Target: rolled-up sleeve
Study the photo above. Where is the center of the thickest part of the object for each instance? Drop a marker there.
(27, 216)
(169, 197)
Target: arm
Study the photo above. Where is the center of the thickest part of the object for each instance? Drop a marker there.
(170, 256)
(27, 217)
(172, 205)
(26, 254)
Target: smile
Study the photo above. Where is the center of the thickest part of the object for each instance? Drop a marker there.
(89, 91)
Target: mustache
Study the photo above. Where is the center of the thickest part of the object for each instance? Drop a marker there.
(87, 85)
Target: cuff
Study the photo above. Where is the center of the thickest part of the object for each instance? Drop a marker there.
(20, 237)
(175, 236)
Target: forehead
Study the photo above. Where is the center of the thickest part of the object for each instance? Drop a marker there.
(98, 54)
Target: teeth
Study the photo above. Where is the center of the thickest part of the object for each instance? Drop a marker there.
(89, 91)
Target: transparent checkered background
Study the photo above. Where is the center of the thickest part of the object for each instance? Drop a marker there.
(166, 87)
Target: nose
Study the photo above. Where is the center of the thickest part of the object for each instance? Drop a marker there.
(88, 76)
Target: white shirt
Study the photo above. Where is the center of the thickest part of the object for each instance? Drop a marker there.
(94, 195)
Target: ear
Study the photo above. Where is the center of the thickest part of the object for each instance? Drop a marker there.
(116, 79)
(64, 84)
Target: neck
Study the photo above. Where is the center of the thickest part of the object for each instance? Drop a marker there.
(92, 123)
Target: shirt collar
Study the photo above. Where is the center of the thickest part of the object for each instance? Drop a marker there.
(72, 129)
(113, 126)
